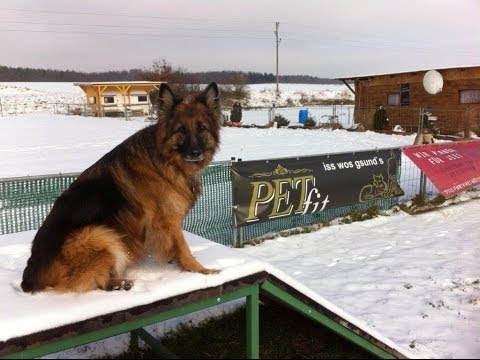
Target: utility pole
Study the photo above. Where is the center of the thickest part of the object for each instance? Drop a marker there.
(277, 39)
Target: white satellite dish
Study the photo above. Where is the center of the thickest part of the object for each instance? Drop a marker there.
(433, 82)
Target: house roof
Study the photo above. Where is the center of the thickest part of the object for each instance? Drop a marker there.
(119, 83)
(406, 72)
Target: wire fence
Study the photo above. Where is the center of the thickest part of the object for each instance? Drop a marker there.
(411, 119)
(341, 114)
(449, 121)
(26, 201)
(321, 114)
(62, 108)
(17, 108)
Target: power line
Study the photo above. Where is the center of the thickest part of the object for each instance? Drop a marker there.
(374, 42)
(129, 15)
(324, 43)
(131, 26)
(143, 35)
(304, 36)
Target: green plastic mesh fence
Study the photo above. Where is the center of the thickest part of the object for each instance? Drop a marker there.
(260, 229)
(25, 202)
(211, 217)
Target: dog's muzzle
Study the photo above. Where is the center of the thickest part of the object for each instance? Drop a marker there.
(194, 156)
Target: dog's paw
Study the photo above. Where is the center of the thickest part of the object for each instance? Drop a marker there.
(206, 271)
(119, 284)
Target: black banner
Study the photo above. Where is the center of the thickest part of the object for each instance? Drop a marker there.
(270, 189)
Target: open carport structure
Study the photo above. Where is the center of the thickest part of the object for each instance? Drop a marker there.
(106, 98)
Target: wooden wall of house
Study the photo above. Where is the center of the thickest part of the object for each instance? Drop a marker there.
(372, 91)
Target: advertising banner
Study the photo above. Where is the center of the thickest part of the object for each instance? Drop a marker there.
(270, 189)
(452, 167)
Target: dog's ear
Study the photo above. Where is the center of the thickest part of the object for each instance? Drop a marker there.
(211, 97)
(166, 101)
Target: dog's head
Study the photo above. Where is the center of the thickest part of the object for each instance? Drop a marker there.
(189, 128)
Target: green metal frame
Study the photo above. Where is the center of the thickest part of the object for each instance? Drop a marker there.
(157, 347)
(310, 312)
(251, 293)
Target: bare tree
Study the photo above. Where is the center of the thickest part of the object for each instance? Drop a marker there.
(233, 85)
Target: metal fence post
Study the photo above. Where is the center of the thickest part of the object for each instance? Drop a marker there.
(234, 229)
(240, 236)
(240, 230)
(423, 185)
(420, 120)
(234, 223)
(423, 180)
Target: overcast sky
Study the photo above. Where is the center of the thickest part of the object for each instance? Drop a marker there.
(322, 38)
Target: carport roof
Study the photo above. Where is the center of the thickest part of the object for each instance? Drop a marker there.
(118, 83)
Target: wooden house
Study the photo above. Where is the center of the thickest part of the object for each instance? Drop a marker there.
(116, 97)
(455, 109)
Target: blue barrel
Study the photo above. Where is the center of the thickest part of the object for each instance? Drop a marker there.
(302, 116)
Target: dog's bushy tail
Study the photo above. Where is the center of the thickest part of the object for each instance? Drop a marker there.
(42, 256)
(91, 257)
(29, 282)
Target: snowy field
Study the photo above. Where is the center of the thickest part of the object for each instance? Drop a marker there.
(413, 279)
(39, 143)
(23, 98)
(262, 95)
(31, 96)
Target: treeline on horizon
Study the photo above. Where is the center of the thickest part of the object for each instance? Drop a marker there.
(19, 74)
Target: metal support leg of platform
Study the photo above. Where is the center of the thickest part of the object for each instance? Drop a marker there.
(310, 312)
(253, 324)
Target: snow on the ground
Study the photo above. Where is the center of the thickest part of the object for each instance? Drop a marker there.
(414, 279)
(39, 143)
(264, 95)
(21, 98)
(153, 282)
(26, 97)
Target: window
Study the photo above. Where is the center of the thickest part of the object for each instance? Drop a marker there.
(92, 100)
(469, 96)
(393, 99)
(405, 94)
(142, 98)
(109, 99)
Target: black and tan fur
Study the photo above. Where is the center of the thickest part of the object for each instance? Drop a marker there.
(130, 202)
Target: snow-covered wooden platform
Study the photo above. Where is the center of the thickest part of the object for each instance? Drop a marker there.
(35, 325)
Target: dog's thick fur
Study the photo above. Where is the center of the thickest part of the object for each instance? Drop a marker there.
(130, 202)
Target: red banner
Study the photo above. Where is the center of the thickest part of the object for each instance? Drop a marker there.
(452, 167)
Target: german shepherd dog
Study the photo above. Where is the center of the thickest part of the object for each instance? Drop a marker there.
(130, 202)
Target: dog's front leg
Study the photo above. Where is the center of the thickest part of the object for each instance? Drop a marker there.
(166, 240)
(185, 258)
